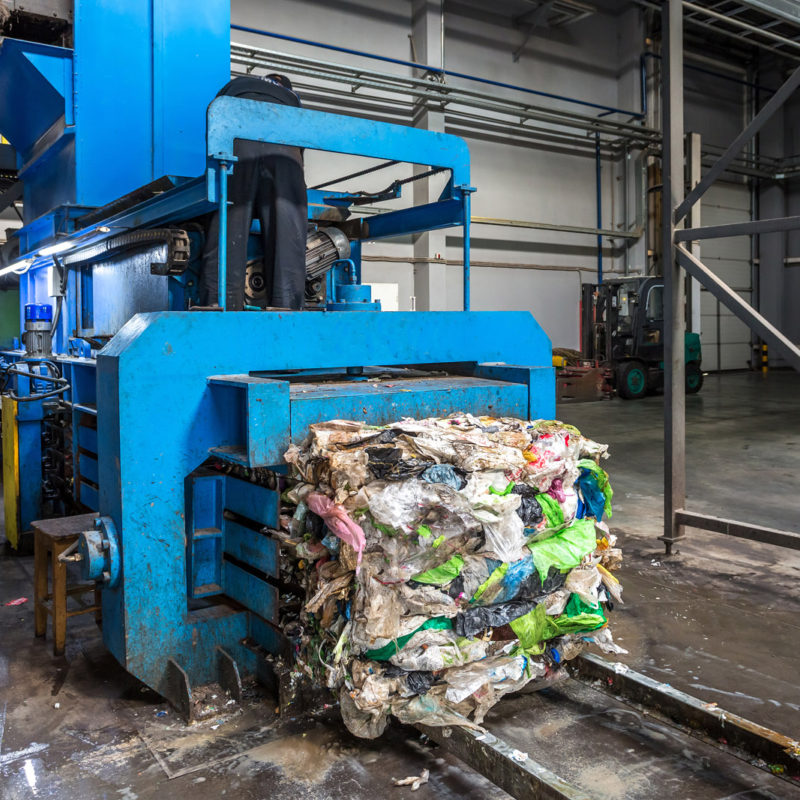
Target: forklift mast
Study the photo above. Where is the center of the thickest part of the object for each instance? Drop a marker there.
(622, 331)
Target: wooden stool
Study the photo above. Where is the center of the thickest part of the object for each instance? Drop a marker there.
(51, 538)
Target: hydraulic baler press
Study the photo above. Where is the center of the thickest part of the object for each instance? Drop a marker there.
(173, 423)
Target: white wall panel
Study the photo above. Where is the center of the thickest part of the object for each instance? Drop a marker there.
(512, 182)
(596, 60)
(729, 258)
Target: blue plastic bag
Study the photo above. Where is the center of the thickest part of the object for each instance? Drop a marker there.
(593, 500)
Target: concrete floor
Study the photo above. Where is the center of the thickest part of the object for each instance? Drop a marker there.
(718, 620)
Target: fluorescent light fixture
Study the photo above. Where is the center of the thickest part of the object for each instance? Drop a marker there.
(21, 266)
(55, 249)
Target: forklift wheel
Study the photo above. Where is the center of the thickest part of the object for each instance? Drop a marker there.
(694, 378)
(631, 380)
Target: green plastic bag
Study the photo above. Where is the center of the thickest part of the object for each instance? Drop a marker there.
(498, 573)
(388, 650)
(444, 573)
(535, 628)
(551, 509)
(576, 606)
(565, 549)
(580, 616)
(531, 629)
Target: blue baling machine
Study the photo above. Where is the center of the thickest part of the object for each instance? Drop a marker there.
(172, 423)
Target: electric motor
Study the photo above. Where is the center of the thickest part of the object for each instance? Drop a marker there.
(38, 336)
(324, 247)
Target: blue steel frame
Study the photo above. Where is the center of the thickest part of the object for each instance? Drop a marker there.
(231, 118)
(132, 94)
(164, 409)
(172, 390)
(175, 388)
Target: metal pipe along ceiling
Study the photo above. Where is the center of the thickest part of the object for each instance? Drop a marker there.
(503, 117)
(438, 70)
(437, 93)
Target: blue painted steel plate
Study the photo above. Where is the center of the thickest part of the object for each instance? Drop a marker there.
(387, 401)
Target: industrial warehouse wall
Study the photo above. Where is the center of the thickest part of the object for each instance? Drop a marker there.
(597, 60)
(513, 182)
(725, 339)
(791, 270)
(790, 319)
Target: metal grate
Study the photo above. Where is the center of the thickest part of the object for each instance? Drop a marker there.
(545, 14)
(565, 12)
(772, 25)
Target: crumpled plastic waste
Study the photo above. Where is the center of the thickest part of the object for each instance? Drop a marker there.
(432, 652)
(595, 490)
(442, 574)
(338, 521)
(474, 620)
(465, 681)
(446, 474)
(566, 549)
(387, 463)
(584, 581)
(445, 562)
(529, 509)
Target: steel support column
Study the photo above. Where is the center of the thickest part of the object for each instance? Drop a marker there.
(674, 284)
(693, 174)
(430, 277)
(677, 256)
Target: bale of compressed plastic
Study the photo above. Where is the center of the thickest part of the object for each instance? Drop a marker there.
(446, 562)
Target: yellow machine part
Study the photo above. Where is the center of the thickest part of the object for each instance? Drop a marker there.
(559, 361)
(11, 470)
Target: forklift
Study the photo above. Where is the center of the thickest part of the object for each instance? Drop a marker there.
(622, 331)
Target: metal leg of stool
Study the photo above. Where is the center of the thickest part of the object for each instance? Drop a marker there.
(39, 585)
(59, 602)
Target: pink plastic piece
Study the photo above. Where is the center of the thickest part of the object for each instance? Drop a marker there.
(338, 521)
(556, 490)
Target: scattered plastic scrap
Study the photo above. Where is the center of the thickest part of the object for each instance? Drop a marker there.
(518, 755)
(444, 563)
(18, 602)
(414, 781)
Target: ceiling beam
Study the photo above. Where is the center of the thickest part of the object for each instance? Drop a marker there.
(788, 10)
